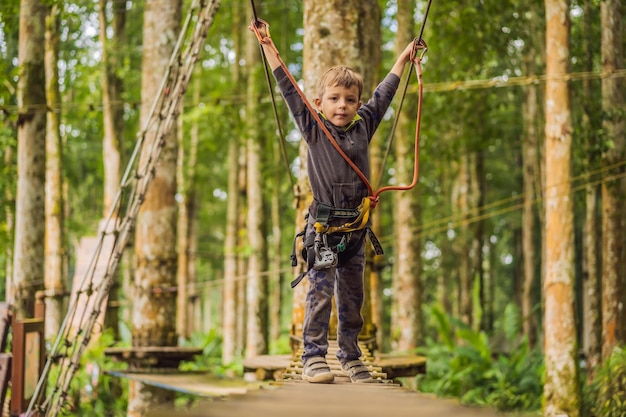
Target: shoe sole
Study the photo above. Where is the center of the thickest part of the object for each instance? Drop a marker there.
(326, 378)
(363, 381)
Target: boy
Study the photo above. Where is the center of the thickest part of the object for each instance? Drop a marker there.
(335, 185)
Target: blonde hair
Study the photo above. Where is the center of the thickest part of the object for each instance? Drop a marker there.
(341, 76)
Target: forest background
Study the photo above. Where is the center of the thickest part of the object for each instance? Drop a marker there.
(477, 217)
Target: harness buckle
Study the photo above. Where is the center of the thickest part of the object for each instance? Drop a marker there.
(324, 256)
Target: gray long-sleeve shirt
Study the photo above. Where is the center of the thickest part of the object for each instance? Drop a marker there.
(333, 181)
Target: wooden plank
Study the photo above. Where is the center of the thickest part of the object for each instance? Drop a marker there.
(193, 383)
(339, 399)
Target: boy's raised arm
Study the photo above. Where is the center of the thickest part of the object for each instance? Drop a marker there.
(405, 56)
(259, 27)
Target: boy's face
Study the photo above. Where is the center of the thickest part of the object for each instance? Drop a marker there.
(339, 104)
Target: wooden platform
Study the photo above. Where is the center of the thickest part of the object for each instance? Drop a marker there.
(289, 367)
(193, 383)
(340, 399)
(289, 396)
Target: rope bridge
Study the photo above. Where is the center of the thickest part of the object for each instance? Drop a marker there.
(87, 303)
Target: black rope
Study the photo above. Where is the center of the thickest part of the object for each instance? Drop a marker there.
(268, 79)
(404, 90)
(253, 10)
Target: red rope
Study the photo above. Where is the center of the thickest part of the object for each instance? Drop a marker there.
(418, 70)
(415, 60)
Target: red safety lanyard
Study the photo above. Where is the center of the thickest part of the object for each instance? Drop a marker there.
(415, 62)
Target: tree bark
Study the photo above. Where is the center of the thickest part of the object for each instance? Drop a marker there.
(55, 275)
(154, 306)
(229, 304)
(256, 284)
(113, 124)
(275, 278)
(561, 389)
(357, 47)
(613, 196)
(28, 263)
(406, 325)
(242, 266)
(461, 197)
(529, 174)
(592, 245)
(112, 106)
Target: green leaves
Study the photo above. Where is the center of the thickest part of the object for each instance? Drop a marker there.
(463, 364)
(606, 396)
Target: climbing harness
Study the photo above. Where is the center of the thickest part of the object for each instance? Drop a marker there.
(324, 253)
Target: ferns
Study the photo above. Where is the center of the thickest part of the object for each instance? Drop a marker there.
(462, 364)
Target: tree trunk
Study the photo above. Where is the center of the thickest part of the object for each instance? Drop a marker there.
(561, 389)
(9, 213)
(55, 275)
(154, 304)
(613, 196)
(186, 181)
(229, 298)
(112, 106)
(242, 267)
(529, 174)
(182, 230)
(592, 321)
(358, 47)
(113, 124)
(406, 324)
(275, 278)
(461, 203)
(478, 231)
(28, 264)
(256, 284)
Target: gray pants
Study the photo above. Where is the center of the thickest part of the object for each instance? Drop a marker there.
(346, 283)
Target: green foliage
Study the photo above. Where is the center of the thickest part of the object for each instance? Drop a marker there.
(462, 364)
(93, 393)
(211, 358)
(606, 395)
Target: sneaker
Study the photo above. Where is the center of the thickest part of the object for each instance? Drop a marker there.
(316, 370)
(357, 371)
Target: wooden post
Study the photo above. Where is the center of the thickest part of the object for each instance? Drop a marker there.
(28, 361)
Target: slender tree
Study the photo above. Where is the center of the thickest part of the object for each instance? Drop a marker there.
(29, 251)
(55, 275)
(112, 89)
(257, 288)
(592, 320)
(276, 257)
(186, 176)
(529, 174)
(461, 202)
(613, 195)
(113, 121)
(229, 310)
(561, 389)
(406, 326)
(240, 306)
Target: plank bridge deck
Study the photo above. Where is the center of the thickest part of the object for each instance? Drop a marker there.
(290, 396)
